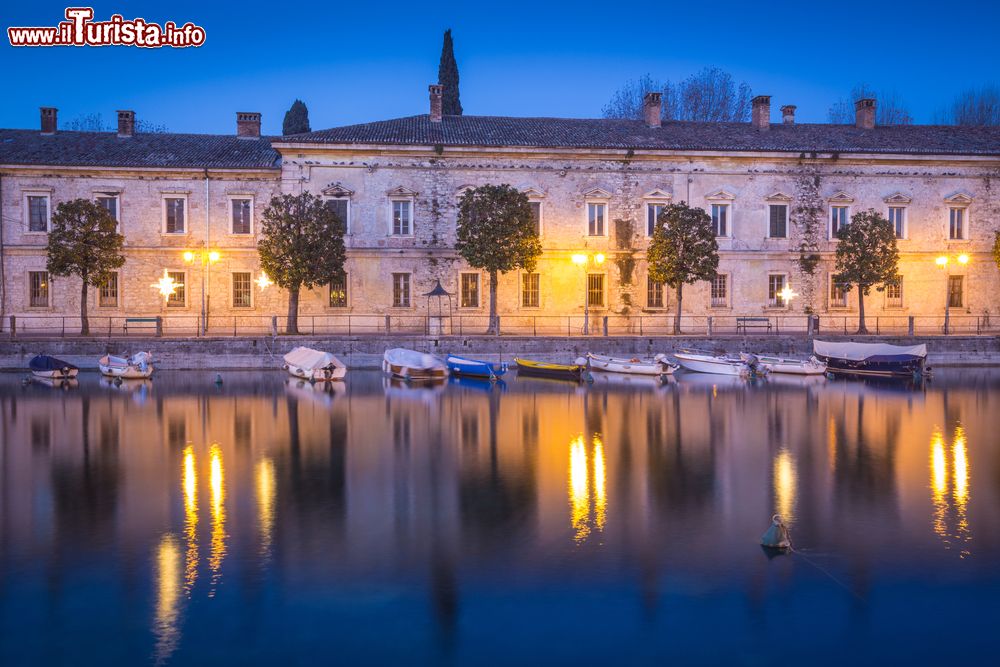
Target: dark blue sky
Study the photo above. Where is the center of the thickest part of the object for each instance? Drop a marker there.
(360, 61)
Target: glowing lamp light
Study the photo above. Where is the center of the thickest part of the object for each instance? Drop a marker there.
(189, 256)
(787, 294)
(263, 281)
(579, 259)
(941, 261)
(599, 258)
(963, 259)
(165, 286)
(213, 256)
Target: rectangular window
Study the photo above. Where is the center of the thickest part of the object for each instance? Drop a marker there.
(109, 202)
(838, 294)
(38, 213)
(242, 290)
(652, 215)
(242, 216)
(174, 210)
(955, 291)
(529, 290)
(956, 223)
(595, 219)
(654, 293)
(536, 215)
(107, 294)
(469, 292)
(720, 219)
(775, 284)
(402, 218)
(894, 295)
(595, 290)
(342, 209)
(720, 290)
(179, 298)
(777, 221)
(897, 216)
(38, 289)
(838, 219)
(401, 290)
(338, 291)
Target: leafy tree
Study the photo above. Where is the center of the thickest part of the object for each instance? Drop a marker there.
(973, 107)
(711, 95)
(84, 241)
(867, 256)
(301, 245)
(889, 110)
(448, 77)
(683, 250)
(496, 233)
(296, 119)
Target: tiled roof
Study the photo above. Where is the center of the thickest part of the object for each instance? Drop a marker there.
(106, 149)
(497, 131)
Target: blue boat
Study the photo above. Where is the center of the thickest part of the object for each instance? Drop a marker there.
(475, 368)
(872, 359)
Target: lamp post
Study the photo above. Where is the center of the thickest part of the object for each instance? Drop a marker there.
(945, 263)
(207, 258)
(584, 260)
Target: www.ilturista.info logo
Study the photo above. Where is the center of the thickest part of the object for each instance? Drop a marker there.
(79, 29)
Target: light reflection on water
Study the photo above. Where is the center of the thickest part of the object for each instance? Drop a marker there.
(374, 519)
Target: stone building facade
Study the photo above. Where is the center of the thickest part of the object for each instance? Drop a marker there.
(775, 191)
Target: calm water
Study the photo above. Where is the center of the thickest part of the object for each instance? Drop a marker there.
(179, 522)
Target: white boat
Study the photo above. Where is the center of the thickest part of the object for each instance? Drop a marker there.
(656, 366)
(139, 366)
(810, 366)
(706, 363)
(412, 365)
(308, 364)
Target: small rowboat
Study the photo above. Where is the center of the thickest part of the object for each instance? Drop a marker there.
(475, 368)
(412, 365)
(137, 367)
(656, 366)
(577, 371)
(50, 368)
(313, 365)
(810, 366)
(706, 363)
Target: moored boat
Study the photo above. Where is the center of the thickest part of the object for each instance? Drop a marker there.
(475, 368)
(658, 365)
(872, 359)
(51, 368)
(810, 366)
(706, 363)
(308, 364)
(412, 365)
(139, 366)
(576, 371)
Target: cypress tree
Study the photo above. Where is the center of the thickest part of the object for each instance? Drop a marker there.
(448, 77)
(296, 119)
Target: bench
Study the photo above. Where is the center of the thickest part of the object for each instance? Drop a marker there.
(744, 323)
(142, 323)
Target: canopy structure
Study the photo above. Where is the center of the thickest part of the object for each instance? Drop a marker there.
(435, 323)
(309, 359)
(862, 351)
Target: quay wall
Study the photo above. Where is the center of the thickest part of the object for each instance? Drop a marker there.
(365, 352)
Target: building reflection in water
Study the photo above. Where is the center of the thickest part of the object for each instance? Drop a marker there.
(587, 495)
(166, 624)
(218, 487)
(190, 487)
(950, 517)
(265, 504)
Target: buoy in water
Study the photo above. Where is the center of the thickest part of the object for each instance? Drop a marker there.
(218, 378)
(776, 536)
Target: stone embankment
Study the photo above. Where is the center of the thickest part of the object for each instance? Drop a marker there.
(366, 352)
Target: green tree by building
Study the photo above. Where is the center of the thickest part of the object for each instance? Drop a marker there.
(448, 77)
(867, 257)
(296, 119)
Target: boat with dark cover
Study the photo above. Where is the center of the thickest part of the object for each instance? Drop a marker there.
(872, 359)
(44, 366)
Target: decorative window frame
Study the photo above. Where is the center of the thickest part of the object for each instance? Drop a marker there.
(900, 200)
(232, 196)
(165, 305)
(830, 305)
(537, 196)
(657, 197)
(726, 198)
(347, 295)
(118, 301)
(778, 199)
(840, 199)
(597, 196)
(164, 196)
(37, 192)
(520, 290)
(232, 292)
(728, 305)
(604, 289)
(392, 290)
(902, 297)
(767, 304)
(111, 192)
(403, 194)
(665, 294)
(27, 289)
(337, 191)
(479, 282)
(963, 201)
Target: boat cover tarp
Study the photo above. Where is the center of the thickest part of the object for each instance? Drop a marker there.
(400, 356)
(862, 351)
(309, 359)
(43, 362)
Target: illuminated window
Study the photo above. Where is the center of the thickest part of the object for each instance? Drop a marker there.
(242, 290)
(338, 291)
(897, 216)
(107, 293)
(402, 217)
(956, 223)
(174, 215)
(720, 219)
(894, 295)
(654, 293)
(595, 219)
(775, 284)
(956, 286)
(595, 290)
(469, 290)
(38, 212)
(839, 218)
(242, 215)
(401, 290)
(38, 289)
(652, 215)
(720, 290)
(777, 221)
(529, 290)
(179, 298)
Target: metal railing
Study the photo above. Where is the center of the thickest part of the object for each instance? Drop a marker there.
(357, 324)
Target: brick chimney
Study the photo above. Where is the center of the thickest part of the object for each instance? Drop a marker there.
(247, 124)
(652, 109)
(126, 123)
(788, 114)
(437, 92)
(864, 113)
(48, 119)
(761, 114)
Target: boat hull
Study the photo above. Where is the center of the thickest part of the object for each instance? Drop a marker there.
(475, 368)
(792, 366)
(647, 367)
(413, 366)
(874, 367)
(50, 368)
(317, 374)
(125, 372)
(697, 363)
(543, 369)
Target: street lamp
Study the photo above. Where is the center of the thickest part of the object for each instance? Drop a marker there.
(945, 264)
(165, 285)
(263, 281)
(206, 258)
(583, 260)
(787, 294)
